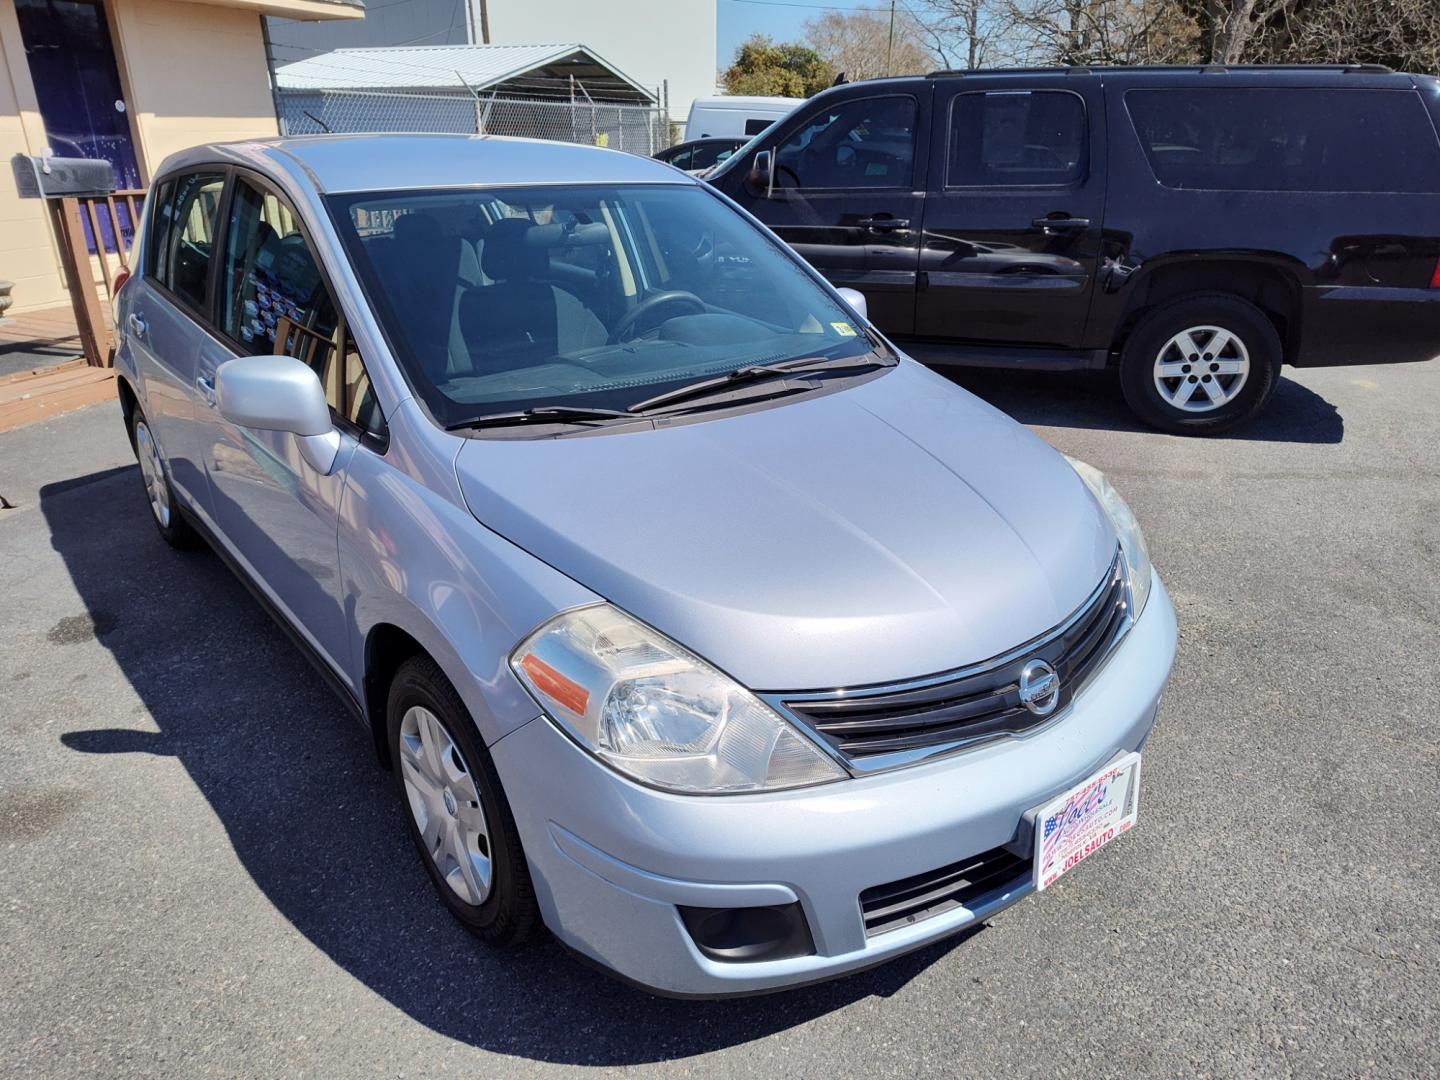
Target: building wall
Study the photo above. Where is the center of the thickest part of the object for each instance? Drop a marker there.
(651, 41)
(388, 22)
(192, 73)
(27, 252)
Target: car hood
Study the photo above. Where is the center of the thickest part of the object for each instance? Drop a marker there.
(894, 529)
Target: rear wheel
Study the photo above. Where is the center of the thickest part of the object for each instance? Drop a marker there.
(459, 818)
(164, 509)
(1201, 365)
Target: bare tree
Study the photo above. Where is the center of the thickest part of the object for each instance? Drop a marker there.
(1405, 34)
(1104, 31)
(1233, 24)
(965, 33)
(859, 43)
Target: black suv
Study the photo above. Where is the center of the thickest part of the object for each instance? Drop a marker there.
(1197, 226)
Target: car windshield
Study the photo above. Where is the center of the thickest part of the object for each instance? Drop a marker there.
(586, 296)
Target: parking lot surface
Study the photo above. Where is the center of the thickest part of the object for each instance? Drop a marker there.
(205, 874)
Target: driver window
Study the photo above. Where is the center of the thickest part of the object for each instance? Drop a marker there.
(857, 144)
(275, 302)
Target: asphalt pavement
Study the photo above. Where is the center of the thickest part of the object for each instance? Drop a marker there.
(203, 872)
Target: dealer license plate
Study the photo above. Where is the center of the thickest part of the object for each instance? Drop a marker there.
(1073, 826)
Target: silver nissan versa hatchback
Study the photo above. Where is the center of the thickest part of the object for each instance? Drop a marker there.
(695, 622)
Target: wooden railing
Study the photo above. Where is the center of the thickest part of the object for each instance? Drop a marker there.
(96, 228)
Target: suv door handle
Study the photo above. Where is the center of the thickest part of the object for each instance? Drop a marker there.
(206, 386)
(136, 324)
(881, 224)
(1048, 223)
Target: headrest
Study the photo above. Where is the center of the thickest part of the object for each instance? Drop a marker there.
(511, 253)
(418, 229)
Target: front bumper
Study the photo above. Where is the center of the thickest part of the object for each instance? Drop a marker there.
(611, 859)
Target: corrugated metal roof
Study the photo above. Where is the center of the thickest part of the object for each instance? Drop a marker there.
(432, 67)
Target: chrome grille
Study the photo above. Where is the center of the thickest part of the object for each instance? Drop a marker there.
(884, 726)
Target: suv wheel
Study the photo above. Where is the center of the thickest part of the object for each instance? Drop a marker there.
(458, 815)
(164, 508)
(1201, 365)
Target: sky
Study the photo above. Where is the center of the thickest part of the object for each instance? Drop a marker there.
(780, 19)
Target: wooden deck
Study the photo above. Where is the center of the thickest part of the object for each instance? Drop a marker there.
(33, 396)
(46, 328)
(42, 373)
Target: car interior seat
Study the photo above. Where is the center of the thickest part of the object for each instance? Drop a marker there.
(522, 319)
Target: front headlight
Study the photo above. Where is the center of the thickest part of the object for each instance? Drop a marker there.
(658, 713)
(1132, 540)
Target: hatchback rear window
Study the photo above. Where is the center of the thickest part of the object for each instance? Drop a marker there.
(1283, 139)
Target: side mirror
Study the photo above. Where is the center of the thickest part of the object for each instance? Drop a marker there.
(762, 172)
(856, 299)
(279, 393)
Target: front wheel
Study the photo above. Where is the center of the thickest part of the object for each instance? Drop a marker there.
(164, 508)
(458, 815)
(1201, 365)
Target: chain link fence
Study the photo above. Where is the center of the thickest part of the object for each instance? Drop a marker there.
(639, 129)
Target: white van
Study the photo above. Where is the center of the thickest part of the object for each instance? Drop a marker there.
(742, 116)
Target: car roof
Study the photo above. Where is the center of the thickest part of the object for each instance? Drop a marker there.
(353, 163)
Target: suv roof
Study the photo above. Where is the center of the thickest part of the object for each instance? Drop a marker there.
(1169, 69)
(1370, 75)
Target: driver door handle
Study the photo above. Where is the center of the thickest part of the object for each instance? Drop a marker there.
(1062, 222)
(206, 386)
(884, 223)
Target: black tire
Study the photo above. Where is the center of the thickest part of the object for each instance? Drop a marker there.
(165, 510)
(509, 914)
(1252, 330)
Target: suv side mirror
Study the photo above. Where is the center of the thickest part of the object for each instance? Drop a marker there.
(280, 393)
(762, 172)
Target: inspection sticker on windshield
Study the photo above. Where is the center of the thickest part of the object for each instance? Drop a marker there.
(844, 329)
(1073, 826)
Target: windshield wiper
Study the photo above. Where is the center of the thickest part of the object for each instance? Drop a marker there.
(803, 365)
(541, 413)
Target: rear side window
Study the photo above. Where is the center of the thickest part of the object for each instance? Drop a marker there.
(184, 234)
(1017, 139)
(1281, 139)
(754, 125)
(274, 300)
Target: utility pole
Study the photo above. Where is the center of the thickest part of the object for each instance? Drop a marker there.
(477, 22)
(890, 47)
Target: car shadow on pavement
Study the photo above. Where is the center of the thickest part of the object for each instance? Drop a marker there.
(317, 825)
(1092, 399)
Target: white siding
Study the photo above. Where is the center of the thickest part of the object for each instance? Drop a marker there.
(649, 40)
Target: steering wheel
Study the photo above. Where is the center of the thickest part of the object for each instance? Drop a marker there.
(651, 304)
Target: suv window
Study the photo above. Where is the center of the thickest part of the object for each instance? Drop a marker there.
(868, 143)
(1282, 139)
(184, 236)
(1016, 139)
(274, 300)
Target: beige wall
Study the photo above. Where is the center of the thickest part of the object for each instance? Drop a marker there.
(27, 253)
(192, 73)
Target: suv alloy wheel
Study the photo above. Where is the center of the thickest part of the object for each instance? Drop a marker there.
(1201, 365)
